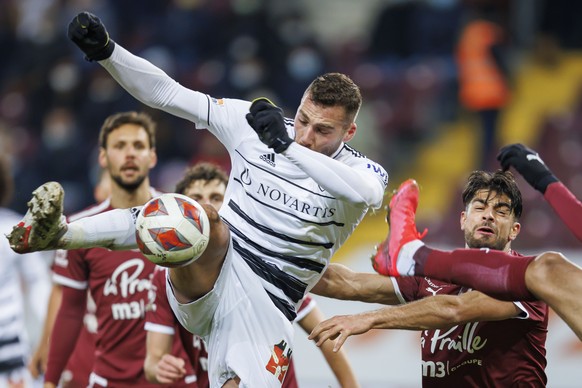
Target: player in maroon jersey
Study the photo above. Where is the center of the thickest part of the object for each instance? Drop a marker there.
(206, 183)
(161, 364)
(118, 281)
(550, 276)
(467, 337)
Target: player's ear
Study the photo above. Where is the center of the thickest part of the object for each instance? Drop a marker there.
(102, 158)
(153, 158)
(463, 219)
(350, 132)
(515, 229)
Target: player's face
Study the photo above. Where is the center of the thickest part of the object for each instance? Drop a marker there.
(207, 192)
(128, 156)
(322, 129)
(488, 221)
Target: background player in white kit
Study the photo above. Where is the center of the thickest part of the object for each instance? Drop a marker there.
(24, 287)
(295, 195)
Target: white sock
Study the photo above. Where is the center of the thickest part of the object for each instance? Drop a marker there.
(114, 229)
(405, 262)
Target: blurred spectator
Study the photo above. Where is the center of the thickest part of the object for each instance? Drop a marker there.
(403, 59)
(483, 78)
(410, 74)
(49, 99)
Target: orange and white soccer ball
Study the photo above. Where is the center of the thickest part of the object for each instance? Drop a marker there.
(172, 230)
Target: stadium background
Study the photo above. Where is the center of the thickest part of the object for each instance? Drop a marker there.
(52, 103)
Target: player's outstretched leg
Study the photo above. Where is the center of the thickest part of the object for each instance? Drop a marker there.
(43, 223)
(404, 254)
(394, 256)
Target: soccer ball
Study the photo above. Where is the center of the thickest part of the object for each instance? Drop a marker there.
(172, 230)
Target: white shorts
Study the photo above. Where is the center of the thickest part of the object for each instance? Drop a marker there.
(18, 376)
(246, 335)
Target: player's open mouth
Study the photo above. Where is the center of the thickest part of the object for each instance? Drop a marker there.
(485, 230)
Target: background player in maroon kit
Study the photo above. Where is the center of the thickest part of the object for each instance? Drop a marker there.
(550, 277)
(162, 365)
(206, 183)
(467, 337)
(118, 281)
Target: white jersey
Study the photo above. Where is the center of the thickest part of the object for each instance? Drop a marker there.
(288, 212)
(285, 225)
(17, 272)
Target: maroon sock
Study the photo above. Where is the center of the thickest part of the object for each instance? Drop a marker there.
(495, 273)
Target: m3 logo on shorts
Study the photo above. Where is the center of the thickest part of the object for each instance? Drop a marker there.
(279, 362)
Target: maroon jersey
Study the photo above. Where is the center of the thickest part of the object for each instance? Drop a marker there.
(190, 347)
(80, 364)
(480, 354)
(119, 282)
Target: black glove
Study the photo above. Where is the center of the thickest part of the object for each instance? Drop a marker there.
(268, 122)
(87, 32)
(528, 163)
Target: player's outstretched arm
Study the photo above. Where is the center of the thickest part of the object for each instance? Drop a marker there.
(340, 282)
(140, 78)
(429, 313)
(337, 360)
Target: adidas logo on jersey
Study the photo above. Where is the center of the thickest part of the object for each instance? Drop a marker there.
(269, 158)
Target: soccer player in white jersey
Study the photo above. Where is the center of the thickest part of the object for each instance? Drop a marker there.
(24, 286)
(296, 193)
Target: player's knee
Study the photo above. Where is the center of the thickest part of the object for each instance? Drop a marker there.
(232, 383)
(546, 266)
(219, 232)
(211, 213)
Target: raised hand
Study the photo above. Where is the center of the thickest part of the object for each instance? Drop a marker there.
(90, 35)
(528, 163)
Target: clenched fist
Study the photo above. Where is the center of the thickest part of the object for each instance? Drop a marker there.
(89, 34)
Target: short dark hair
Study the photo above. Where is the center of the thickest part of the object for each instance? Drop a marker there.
(336, 89)
(201, 171)
(502, 182)
(6, 182)
(118, 119)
